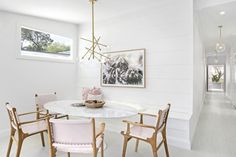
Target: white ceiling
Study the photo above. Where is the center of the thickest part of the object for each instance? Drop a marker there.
(209, 3)
(210, 20)
(75, 11)
(79, 11)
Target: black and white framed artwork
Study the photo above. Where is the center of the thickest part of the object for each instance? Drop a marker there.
(124, 69)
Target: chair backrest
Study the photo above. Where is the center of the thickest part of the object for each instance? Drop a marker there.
(72, 131)
(41, 99)
(162, 117)
(13, 117)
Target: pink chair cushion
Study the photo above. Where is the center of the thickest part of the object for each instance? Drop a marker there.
(77, 148)
(141, 132)
(15, 120)
(34, 127)
(40, 100)
(72, 131)
(73, 135)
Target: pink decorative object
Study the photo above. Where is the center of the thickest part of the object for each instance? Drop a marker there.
(85, 92)
(94, 91)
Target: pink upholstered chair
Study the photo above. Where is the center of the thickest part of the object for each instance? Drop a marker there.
(41, 99)
(23, 129)
(153, 134)
(75, 136)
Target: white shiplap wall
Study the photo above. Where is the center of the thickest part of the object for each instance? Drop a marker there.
(167, 34)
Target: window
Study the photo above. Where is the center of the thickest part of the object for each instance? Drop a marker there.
(39, 44)
(216, 80)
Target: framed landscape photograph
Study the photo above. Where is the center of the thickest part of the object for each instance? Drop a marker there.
(124, 69)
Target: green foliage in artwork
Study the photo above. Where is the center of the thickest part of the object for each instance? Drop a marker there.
(217, 76)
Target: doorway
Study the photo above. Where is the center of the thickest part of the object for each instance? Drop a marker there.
(216, 78)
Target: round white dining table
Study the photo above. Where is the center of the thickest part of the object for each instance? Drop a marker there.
(109, 110)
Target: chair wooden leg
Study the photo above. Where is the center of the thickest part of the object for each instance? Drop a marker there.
(102, 149)
(154, 147)
(125, 146)
(94, 154)
(154, 150)
(52, 152)
(42, 139)
(136, 146)
(67, 117)
(68, 154)
(165, 144)
(19, 146)
(10, 141)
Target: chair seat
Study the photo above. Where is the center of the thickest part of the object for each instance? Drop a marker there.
(34, 127)
(141, 132)
(77, 148)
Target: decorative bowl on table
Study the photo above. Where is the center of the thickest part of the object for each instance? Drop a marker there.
(94, 103)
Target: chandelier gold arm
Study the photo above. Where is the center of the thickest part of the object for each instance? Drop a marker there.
(91, 42)
(98, 53)
(95, 41)
(89, 50)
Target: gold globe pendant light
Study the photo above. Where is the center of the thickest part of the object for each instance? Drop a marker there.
(220, 46)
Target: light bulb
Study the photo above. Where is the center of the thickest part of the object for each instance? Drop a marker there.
(220, 47)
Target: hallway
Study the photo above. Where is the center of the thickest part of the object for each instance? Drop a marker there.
(215, 136)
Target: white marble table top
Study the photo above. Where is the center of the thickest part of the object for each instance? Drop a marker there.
(109, 110)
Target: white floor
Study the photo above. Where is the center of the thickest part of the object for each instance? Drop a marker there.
(215, 136)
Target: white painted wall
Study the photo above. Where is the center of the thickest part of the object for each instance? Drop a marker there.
(209, 3)
(228, 76)
(216, 59)
(231, 64)
(167, 34)
(199, 71)
(21, 79)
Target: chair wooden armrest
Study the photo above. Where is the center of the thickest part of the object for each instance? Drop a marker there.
(56, 115)
(61, 116)
(102, 129)
(147, 114)
(33, 121)
(27, 113)
(139, 124)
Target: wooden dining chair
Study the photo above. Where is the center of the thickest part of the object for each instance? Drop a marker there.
(75, 136)
(41, 99)
(23, 129)
(148, 133)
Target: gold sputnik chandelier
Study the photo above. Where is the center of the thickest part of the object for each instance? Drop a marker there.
(95, 50)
